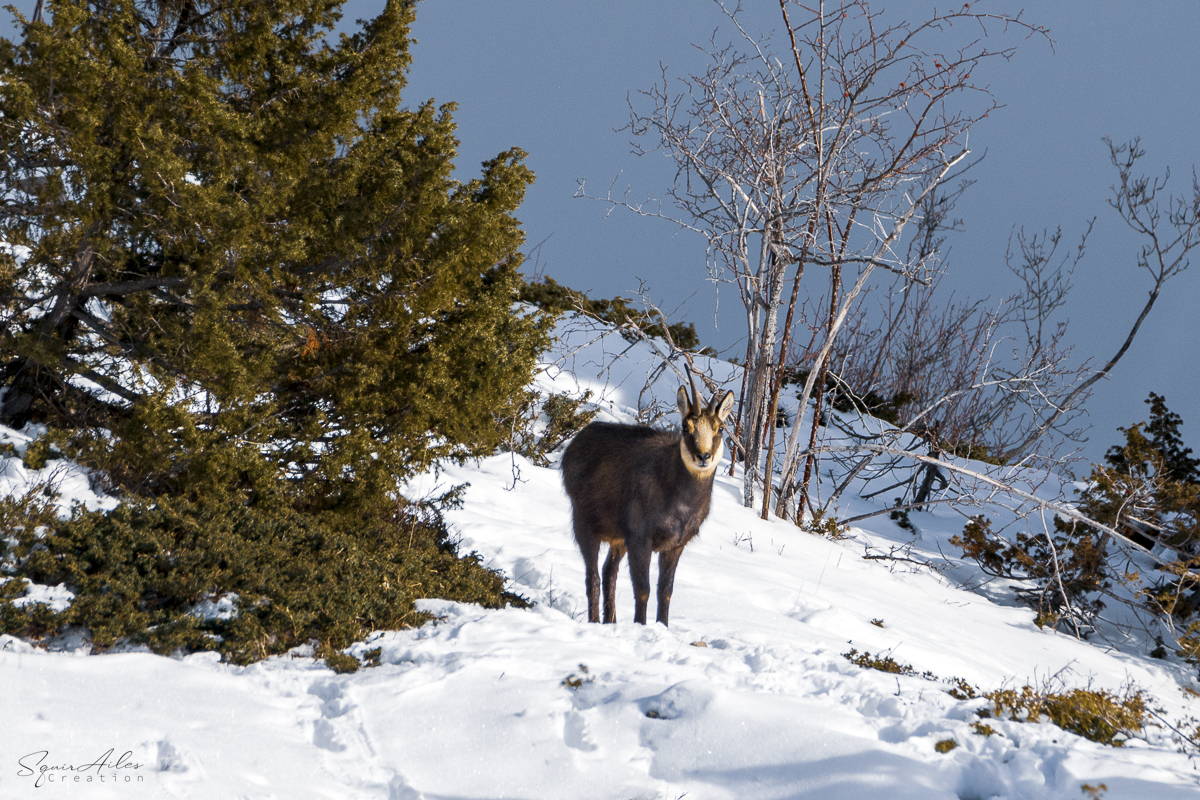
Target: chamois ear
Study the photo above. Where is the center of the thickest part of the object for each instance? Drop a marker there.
(685, 405)
(725, 407)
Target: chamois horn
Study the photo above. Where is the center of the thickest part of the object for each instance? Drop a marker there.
(696, 403)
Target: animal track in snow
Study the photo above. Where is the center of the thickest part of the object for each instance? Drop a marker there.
(576, 732)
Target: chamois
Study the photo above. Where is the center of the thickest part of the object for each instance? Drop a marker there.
(642, 491)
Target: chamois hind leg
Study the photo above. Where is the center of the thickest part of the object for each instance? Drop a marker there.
(590, 547)
(612, 564)
(639, 571)
(667, 561)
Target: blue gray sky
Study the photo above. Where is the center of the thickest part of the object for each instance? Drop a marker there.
(554, 77)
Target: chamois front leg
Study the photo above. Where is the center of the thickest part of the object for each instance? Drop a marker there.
(591, 556)
(667, 561)
(612, 565)
(639, 571)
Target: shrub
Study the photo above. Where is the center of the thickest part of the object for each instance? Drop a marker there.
(24, 516)
(553, 297)
(38, 453)
(846, 399)
(559, 416)
(1093, 714)
(900, 517)
(982, 729)
(139, 572)
(829, 527)
(340, 663)
(960, 689)
(1149, 490)
(884, 663)
(575, 680)
(1058, 574)
(1137, 493)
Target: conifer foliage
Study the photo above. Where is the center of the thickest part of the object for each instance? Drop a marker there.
(238, 278)
(235, 256)
(1149, 491)
(1149, 486)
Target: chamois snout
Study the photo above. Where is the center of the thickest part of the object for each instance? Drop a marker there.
(643, 491)
(701, 445)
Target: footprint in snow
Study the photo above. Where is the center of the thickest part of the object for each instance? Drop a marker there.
(688, 698)
(336, 726)
(169, 758)
(576, 732)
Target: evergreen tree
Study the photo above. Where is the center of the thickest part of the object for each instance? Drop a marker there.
(1151, 487)
(235, 256)
(1165, 442)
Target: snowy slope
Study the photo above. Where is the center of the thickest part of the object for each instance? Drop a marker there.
(747, 694)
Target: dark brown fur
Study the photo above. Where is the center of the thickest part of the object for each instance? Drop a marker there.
(630, 487)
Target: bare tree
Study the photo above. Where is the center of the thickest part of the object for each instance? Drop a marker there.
(1169, 231)
(955, 387)
(819, 156)
(974, 375)
(950, 370)
(834, 153)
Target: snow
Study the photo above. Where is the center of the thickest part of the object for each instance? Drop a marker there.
(71, 483)
(747, 695)
(223, 607)
(58, 598)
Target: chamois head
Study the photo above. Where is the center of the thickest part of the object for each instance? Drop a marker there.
(702, 445)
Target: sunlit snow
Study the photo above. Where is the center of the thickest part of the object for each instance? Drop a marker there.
(747, 695)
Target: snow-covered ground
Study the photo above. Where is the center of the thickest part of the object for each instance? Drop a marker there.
(747, 695)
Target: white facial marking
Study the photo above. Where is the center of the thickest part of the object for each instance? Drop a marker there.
(708, 439)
